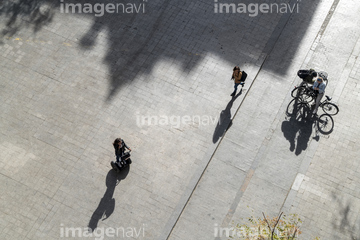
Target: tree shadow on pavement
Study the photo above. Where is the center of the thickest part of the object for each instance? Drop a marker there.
(25, 13)
(297, 128)
(225, 121)
(181, 32)
(107, 203)
(344, 227)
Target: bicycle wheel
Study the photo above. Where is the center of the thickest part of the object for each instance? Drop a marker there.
(330, 108)
(292, 107)
(303, 94)
(325, 124)
(307, 96)
(298, 91)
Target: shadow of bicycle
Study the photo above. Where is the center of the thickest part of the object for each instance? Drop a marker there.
(300, 123)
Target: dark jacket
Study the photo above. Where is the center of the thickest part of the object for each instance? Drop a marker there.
(119, 146)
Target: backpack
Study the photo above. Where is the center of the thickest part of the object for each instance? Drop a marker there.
(307, 75)
(243, 76)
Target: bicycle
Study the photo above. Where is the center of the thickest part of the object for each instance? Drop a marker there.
(297, 108)
(305, 87)
(301, 111)
(306, 94)
(325, 124)
(329, 107)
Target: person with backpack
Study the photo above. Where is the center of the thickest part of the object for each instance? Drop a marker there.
(308, 76)
(239, 79)
(119, 146)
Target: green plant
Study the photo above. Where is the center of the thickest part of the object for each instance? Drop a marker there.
(282, 227)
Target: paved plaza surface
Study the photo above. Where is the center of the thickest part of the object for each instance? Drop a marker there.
(70, 83)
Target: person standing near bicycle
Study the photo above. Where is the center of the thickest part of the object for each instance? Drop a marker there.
(308, 76)
(319, 89)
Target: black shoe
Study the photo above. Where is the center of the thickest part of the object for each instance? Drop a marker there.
(233, 94)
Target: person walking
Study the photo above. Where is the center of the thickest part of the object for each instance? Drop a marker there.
(319, 88)
(237, 76)
(119, 146)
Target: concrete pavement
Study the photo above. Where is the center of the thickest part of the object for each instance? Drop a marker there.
(71, 83)
(255, 169)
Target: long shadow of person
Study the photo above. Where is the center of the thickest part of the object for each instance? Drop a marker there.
(225, 121)
(304, 135)
(107, 203)
(300, 122)
(289, 130)
(290, 127)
